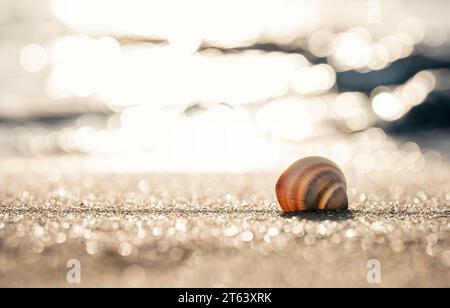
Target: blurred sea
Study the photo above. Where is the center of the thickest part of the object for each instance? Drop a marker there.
(200, 87)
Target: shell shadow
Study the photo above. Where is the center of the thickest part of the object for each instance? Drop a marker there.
(335, 215)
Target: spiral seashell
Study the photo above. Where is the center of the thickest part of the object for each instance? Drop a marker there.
(312, 183)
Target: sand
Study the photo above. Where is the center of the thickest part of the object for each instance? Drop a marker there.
(220, 230)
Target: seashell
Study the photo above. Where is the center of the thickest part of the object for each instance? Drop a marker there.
(312, 183)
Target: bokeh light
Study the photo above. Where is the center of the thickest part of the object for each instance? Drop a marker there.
(206, 94)
(33, 58)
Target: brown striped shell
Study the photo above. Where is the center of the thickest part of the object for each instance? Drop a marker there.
(312, 183)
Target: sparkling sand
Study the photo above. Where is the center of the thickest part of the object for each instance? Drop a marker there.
(220, 230)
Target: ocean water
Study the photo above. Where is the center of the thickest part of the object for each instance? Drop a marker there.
(228, 86)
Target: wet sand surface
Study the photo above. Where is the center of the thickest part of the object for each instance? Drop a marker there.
(219, 230)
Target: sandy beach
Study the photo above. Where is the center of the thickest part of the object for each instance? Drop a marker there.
(219, 230)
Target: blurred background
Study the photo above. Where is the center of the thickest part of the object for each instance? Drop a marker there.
(224, 86)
